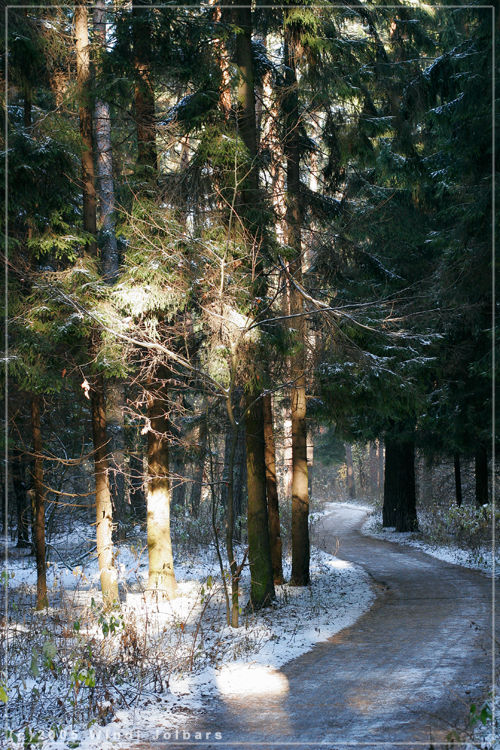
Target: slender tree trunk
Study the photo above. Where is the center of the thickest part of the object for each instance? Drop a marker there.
(104, 517)
(300, 487)
(373, 469)
(259, 552)
(22, 499)
(399, 488)
(458, 479)
(240, 481)
(273, 508)
(110, 265)
(228, 483)
(104, 158)
(351, 486)
(481, 472)
(380, 471)
(83, 80)
(161, 580)
(39, 491)
(197, 486)
(261, 569)
(144, 97)
(104, 508)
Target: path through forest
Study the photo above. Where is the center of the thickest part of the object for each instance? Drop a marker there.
(404, 675)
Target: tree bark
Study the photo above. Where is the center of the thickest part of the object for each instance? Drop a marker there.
(161, 581)
(104, 158)
(83, 80)
(259, 552)
(458, 479)
(373, 469)
(104, 517)
(351, 486)
(399, 487)
(104, 508)
(196, 490)
(261, 569)
(300, 486)
(144, 97)
(273, 508)
(481, 473)
(39, 491)
(22, 499)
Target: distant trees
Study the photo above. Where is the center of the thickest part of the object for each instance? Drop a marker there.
(201, 219)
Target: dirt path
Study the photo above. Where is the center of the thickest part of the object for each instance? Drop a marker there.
(403, 676)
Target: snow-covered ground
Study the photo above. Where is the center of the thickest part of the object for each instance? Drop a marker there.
(192, 656)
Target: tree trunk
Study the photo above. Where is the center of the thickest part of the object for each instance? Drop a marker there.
(104, 508)
(273, 508)
(197, 486)
(104, 157)
(481, 472)
(351, 487)
(110, 266)
(300, 488)
(373, 469)
(144, 97)
(380, 471)
(458, 479)
(161, 582)
(259, 552)
(104, 513)
(22, 499)
(240, 482)
(83, 80)
(399, 487)
(116, 453)
(39, 491)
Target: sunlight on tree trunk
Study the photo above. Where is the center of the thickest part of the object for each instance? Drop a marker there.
(161, 581)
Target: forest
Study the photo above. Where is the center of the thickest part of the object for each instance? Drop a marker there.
(248, 306)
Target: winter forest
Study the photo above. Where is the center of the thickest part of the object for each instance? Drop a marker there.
(248, 463)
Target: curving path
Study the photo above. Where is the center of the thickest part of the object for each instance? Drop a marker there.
(403, 675)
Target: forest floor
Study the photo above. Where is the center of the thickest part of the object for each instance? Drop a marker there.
(150, 668)
(382, 670)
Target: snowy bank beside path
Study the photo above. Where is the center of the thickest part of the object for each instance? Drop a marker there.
(204, 657)
(481, 559)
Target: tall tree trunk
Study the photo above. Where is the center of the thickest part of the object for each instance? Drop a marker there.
(240, 482)
(351, 486)
(399, 487)
(261, 569)
(104, 516)
(83, 79)
(39, 491)
(380, 471)
(115, 398)
(159, 491)
(300, 488)
(259, 552)
(373, 469)
(104, 508)
(104, 159)
(273, 508)
(22, 499)
(110, 266)
(197, 486)
(161, 581)
(144, 97)
(458, 479)
(481, 473)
